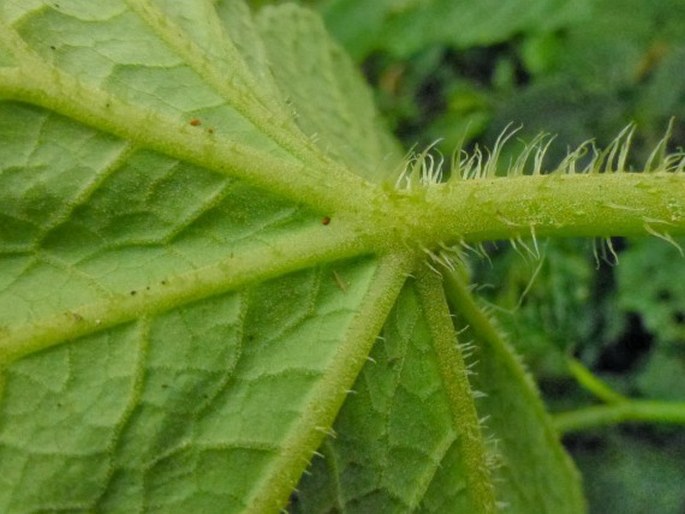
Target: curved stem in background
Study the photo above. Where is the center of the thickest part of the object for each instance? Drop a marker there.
(593, 384)
(627, 411)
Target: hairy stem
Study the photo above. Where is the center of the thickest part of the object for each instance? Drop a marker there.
(594, 205)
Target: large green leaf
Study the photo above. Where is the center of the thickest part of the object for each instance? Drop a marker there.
(199, 248)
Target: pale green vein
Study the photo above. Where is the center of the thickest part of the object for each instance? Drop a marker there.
(44, 85)
(426, 477)
(252, 262)
(269, 118)
(84, 194)
(61, 93)
(143, 334)
(329, 453)
(454, 373)
(307, 433)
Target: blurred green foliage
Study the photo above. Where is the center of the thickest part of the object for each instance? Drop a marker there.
(460, 71)
(629, 472)
(579, 69)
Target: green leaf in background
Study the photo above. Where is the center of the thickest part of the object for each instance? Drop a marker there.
(543, 305)
(629, 473)
(604, 69)
(404, 27)
(189, 291)
(646, 289)
(578, 70)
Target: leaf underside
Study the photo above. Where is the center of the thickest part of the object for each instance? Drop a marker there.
(183, 322)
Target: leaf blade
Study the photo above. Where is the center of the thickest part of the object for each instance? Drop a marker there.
(409, 439)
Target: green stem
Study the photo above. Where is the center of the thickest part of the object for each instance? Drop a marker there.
(593, 384)
(626, 411)
(472, 211)
(594, 205)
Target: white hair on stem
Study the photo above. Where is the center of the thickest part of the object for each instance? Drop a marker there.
(427, 168)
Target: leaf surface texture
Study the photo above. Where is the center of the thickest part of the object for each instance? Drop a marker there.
(186, 302)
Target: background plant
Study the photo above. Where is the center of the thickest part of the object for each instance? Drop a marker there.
(194, 281)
